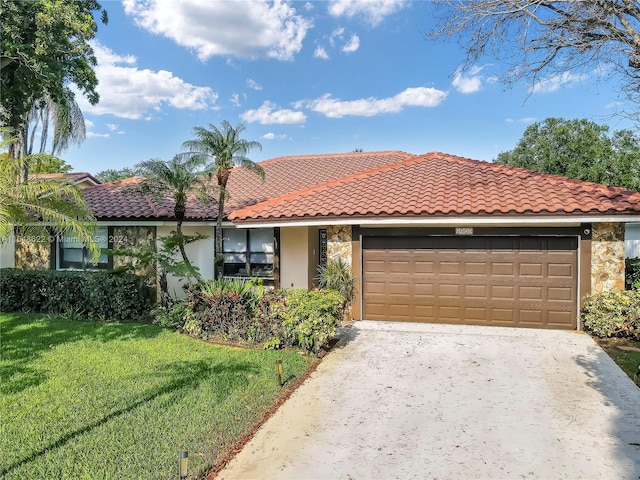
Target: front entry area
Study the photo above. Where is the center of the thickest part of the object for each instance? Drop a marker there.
(516, 281)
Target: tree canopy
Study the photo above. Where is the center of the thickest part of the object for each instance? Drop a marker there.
(111, 175)
(530, 37)
(44, 50)
(579, 149)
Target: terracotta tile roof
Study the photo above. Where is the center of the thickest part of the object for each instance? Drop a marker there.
(288, 174)
(282, 175)
(122, 199)
(440, 184)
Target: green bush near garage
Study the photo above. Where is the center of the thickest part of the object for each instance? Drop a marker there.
(632, 273)
(106, 296)
(612, 314)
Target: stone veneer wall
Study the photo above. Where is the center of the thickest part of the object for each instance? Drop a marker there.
(607, 257)
(339, 243)
(134, 238)
(31, 254)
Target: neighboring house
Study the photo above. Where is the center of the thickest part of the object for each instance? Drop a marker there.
(432, 238)
(632, 240)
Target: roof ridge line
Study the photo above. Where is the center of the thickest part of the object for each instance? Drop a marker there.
(293, 157)
(336, 181)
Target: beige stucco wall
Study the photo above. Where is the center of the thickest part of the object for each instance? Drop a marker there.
(8, 253)
(200, 253)
(294, 257)
(607, 257)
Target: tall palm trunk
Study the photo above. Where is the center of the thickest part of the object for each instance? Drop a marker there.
(179, 211)
(219, 257)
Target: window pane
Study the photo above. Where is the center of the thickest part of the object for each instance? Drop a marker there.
(72, 255)
(235, 269)
(261, 270)
(234, 240)
(235, 258)
(261, 240)
(101, 237)
(261, 258)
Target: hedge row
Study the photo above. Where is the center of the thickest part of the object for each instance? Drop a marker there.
(95, 295)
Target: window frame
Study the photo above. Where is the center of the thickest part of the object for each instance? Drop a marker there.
(247, 253)
(85, 264)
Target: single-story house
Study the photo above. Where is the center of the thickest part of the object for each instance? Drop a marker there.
(430, 238)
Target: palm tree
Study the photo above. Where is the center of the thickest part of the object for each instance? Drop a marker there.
(224, 148)
(50, 202)
(182, 176)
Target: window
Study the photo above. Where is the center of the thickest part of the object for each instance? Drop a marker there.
(247, 252)
(74, 255)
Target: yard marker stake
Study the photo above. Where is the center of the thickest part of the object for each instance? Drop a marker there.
(279, 371)
(182, 464)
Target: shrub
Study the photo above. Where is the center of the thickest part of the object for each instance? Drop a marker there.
(94, 295)
(612, 314)
(336, 275)
(220, 308)
(632, 273)
(172, 316)
(276, 319)
(311, 317)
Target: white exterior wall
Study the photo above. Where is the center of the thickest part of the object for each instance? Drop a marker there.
(201, 254)
(294, 257)
(632, 240)
(8, 254)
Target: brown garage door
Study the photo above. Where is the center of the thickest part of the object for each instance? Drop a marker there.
(504, 281)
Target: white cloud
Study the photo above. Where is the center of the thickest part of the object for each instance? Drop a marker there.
(352, 45)
(239, 28)
(252, 84)
(520, 120)
(373, 11)
(235, 100)
(112, 126)
(555, 82)
(128, 92)
(97, 135)
(273, 136)
(470, 83)
(321, 53)
(267, 115)
(368, 107)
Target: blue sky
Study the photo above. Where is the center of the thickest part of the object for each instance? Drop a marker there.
(307, 77)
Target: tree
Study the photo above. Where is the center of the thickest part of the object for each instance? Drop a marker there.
(181, 177)
(112, 175)
(54, 202)
(44, 163)
(578, 149)
(225, 149)
(44, 49)
(63, 115)
(558, 37)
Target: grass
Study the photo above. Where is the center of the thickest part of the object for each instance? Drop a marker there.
(627, 360)
(86, 400)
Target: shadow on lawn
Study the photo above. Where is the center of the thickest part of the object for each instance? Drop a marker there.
(622, 396)
(181, 375)
(24, 337)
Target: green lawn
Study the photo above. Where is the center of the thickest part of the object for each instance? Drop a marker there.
(109, 400)
(627, 360)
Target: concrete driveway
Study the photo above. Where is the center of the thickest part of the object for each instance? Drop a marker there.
(399, 400)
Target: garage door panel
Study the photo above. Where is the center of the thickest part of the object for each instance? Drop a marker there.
(531, 293)
(560, 270)
(492, 280)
